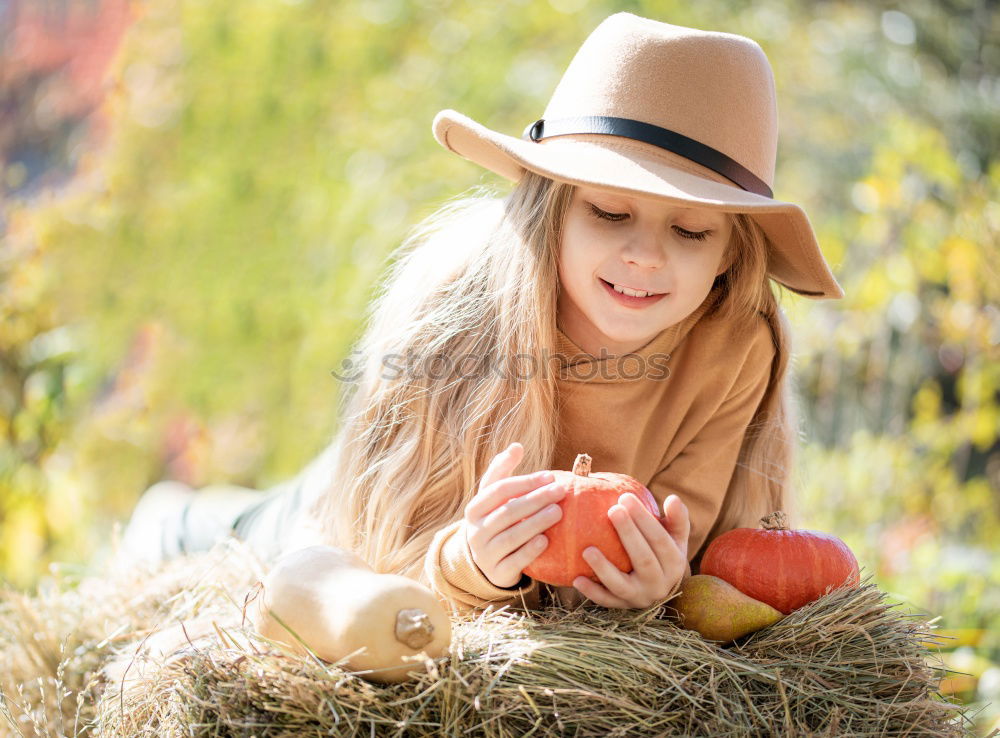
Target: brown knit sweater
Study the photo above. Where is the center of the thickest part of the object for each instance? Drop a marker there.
(671, 414)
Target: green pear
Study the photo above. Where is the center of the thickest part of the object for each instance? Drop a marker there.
(719, 611)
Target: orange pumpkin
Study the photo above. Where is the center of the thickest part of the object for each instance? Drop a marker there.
(784, 568)
(585, 522)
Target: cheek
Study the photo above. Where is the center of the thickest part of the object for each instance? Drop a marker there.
(577, 255)
(571, 275)
(568, 271)
(705, 260)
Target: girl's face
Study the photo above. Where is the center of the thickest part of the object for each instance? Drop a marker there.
(641, 243)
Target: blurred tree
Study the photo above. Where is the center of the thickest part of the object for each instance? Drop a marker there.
(53, 56)
(52, 64)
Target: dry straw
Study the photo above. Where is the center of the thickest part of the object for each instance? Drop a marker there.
(77, 662)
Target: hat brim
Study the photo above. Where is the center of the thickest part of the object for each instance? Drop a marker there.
(795, 260)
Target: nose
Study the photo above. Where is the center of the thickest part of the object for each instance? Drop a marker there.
(645, 251)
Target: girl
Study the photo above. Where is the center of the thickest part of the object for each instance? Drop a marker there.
(616, 303)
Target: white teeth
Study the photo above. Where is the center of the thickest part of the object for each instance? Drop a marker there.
(632, 293)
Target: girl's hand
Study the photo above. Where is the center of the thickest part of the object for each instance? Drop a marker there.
(657, 549)
(505, 537)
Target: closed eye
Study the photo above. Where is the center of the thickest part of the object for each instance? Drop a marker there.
(617, 217)
(605, 215)
(699, 236)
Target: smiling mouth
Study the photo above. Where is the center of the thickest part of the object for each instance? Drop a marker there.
(648, 294)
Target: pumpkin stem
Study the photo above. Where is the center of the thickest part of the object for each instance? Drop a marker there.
(774, 521)
(414, 627)
(582, 465)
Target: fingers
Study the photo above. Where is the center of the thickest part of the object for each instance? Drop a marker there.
(677, 522)
(501, 533)
(599, 594)
(648, 546)
(674, 526)
(525, 504)
(500, 469)
(507, 538)
(614, 579)
(636, 525)
(511, 566)
(498, 493)
(502, 465)
(657, 550)
(504, 520)
(503, 555)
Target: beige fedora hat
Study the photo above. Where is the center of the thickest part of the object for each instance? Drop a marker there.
(650, 108)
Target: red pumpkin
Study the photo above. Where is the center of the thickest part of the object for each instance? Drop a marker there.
(784, 568)
(584, 523)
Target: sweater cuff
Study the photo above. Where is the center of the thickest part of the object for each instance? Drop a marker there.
(454, 575)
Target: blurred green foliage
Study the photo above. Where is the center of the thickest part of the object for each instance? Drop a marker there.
(177, 310)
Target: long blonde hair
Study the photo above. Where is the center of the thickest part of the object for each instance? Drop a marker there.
(472, 288)
(762, 480)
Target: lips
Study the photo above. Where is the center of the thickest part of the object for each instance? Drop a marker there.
(653, 293)
(627, 300)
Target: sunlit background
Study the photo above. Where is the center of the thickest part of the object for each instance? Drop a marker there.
(198, 196)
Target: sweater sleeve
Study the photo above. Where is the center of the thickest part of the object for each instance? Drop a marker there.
(460, 583)
(701, 472)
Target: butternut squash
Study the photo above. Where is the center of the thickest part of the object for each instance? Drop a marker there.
(332, 601)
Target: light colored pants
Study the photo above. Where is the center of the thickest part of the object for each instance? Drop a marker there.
(172, 519)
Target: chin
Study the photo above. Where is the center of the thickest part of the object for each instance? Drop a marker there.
(621, 336)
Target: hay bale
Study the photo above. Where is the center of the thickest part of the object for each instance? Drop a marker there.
(848, 664)
(55, 644)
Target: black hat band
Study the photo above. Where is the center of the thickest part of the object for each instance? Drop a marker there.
(646, 132)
